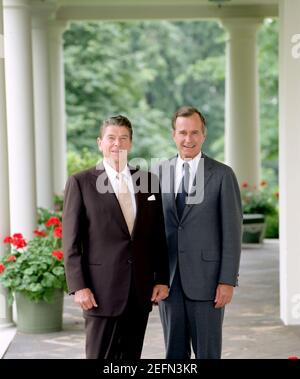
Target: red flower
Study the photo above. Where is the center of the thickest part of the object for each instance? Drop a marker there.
(2, 268)
(17, 240)
(245, 185)
(57, 232)
(19, 243)
(293, 357)
(59, 254)
(8, 239)
(53, 221)
(18, 236)
(40, 233)
(11, 258)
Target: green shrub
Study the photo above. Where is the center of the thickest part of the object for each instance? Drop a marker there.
(272, 230)
(79, 162)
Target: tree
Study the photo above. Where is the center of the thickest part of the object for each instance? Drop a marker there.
(146, 70)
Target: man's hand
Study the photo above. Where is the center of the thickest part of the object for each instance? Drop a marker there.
(160, 292)
(85, 299)
(223, 295)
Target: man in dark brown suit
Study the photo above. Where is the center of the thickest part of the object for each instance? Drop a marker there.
(115, 246)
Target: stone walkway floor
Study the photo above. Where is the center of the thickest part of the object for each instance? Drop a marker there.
(252, 327)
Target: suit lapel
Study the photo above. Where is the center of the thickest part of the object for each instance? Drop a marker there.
(168, 185)
(100, 172)
(110, 197)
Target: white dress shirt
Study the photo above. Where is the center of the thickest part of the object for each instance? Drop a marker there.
(193, 165)
(113, 178)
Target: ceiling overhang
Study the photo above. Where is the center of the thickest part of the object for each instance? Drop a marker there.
(163, 9)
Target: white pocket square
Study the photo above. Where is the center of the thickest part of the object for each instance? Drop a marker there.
(151, 198)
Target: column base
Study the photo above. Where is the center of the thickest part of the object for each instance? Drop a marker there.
(6, 336)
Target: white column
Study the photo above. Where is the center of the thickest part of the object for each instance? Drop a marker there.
(42, 107)
(59, 134)
(20, 120)
(289, 158)
(242, 150)
(5, 310)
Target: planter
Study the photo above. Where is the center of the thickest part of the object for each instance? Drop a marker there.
(254, 227)
(39, 317)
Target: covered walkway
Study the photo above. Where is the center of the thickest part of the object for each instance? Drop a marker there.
(32, 113)
(252, 327)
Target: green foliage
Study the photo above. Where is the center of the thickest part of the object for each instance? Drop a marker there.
(262, 200)
(258, 200)
(36, 267)
(144, 70)
(58, 204)
(268, 74)
(78, 162)
(272, 221)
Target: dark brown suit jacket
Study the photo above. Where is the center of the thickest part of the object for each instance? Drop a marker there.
(99, 252)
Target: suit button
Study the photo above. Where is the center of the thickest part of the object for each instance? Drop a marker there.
(129, 260)
(180, 228)
(181, 251)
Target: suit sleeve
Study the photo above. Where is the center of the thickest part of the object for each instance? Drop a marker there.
(159, 242)
(72, 244)
(231, 222)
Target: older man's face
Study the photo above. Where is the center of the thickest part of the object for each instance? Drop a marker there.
(189, 136)
(115, 143)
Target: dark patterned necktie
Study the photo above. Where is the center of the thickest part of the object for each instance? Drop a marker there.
(183, 190)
